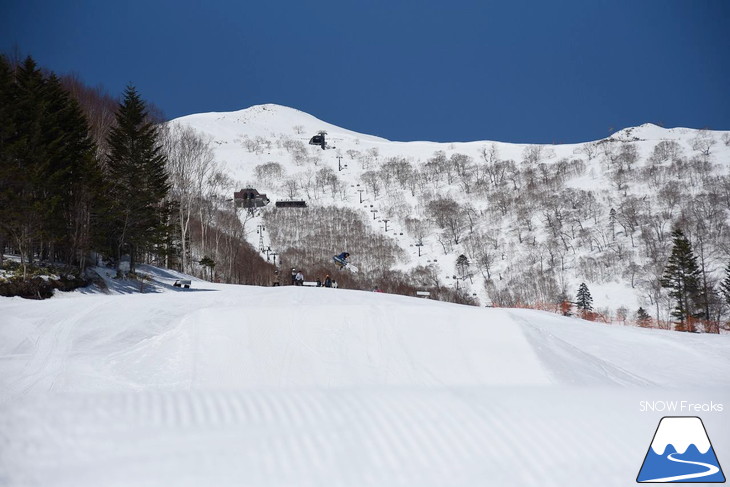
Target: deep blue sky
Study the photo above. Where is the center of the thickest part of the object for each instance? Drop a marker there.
(514, 71)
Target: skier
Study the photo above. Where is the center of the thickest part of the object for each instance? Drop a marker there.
(341, 259)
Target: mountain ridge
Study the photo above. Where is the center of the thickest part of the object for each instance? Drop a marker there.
(598, 212)
(271, 109)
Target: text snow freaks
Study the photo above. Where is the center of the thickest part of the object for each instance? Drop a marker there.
(680, 407)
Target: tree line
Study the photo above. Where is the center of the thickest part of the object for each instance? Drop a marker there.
(83, 179)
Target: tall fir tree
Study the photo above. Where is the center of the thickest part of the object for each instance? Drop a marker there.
(72, 175)
(7, 129)
(725, 285)
(138, 181)
(682, 278)
(584, 300)
(79, 177)
(25, 162)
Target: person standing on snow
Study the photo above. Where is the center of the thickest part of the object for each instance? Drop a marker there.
(327, 281)
(299, 279)
(293, 276)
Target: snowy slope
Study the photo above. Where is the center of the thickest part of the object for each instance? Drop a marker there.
(275, 126)
(236, 385)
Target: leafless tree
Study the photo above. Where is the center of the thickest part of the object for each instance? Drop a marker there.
(371, 179)
(449, 216)
(666, 150)
(703, 142)
(418, 228)
(590, 150)
(531, 154)
(464, 167)
(269, 172)
(291, 186)
(628, 155)
(190, 164)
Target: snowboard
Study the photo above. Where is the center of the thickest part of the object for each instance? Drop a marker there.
(345, 265)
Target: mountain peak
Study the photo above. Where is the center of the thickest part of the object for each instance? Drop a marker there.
(265, 120)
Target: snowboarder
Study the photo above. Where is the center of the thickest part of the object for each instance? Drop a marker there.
(341, 259)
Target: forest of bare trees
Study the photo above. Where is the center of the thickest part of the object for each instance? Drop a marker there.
(495, 209)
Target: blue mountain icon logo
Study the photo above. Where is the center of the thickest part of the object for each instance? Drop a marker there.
(680, 452)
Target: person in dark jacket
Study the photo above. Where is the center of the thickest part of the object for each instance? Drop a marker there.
(327, 281)
(341, 259)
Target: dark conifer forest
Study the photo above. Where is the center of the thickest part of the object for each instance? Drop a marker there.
(88, 180)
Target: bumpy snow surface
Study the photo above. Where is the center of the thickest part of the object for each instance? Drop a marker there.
(245, 386)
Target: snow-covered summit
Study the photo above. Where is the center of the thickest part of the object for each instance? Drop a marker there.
(267, 120)
(652, 132)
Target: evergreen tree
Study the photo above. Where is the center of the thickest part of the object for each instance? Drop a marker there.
(138, 181)
(462, 266)
(583, 300)
(72, 175)
(682, 278)
(7, 129)
(46, 158)
(642, 318)
(24, 161)
(208, 264)
(725, 285)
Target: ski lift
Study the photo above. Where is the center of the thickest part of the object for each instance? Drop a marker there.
(319, 139)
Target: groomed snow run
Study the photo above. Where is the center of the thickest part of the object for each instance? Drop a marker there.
(232, 385)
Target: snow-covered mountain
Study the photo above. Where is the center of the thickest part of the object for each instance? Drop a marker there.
(534, 220)
(278, 386)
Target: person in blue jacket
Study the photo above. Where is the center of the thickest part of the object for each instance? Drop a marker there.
(341, 259)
